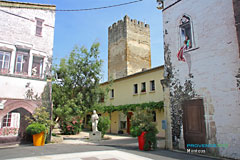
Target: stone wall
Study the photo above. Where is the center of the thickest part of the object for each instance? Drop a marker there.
(138, 46)
(18, 31)
(21, 92)
(211, 65)
(117, 55)
(18, 26)
(236, 8)
(128, 48)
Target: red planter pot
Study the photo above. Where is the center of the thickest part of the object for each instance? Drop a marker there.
(141, 141)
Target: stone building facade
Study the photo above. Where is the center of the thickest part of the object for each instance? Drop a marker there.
(204, 82)
(129, 48)
(26, 48)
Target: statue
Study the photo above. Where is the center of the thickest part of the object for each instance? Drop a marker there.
(94, 121)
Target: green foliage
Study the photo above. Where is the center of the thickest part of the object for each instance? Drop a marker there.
(130, 107)
(142, 121)
(104, 125)
(35, 128)
(71, 127)
(78, 89)
(41, 116)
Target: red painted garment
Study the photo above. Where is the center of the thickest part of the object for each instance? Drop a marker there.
(180, 55)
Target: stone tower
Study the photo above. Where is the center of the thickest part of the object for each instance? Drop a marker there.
(129, 48)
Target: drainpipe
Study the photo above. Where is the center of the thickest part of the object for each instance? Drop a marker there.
(2, 102)
(167, 114)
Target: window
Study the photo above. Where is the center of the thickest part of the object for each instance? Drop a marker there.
(186, 32)
(101, 98)
(7, 120)
(152, 85)
(143, 89)
(112, 93)
(37, 66)
(22, 59)
(4, 61)
(154, 116)
(123, 124)
(135, 88)
(39, 23)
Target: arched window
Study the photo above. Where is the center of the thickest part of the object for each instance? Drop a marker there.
(186, 36)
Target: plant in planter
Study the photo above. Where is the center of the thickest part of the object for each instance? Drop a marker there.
(41, 116)
(143, 127)
(37, 130)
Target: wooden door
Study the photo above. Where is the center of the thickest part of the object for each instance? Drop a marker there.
(129, 121)
(194, 122)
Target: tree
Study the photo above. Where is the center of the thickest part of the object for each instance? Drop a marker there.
(103, 125)
(77, 89)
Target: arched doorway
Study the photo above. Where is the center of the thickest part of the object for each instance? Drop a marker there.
(129, 116)
(13, 126)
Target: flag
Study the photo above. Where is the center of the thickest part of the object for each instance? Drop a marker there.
(180, 55)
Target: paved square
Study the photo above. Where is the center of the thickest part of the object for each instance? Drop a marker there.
(94, 155)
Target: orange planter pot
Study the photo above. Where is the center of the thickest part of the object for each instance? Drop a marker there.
(39, 139)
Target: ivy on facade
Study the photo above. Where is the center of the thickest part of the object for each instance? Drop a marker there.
(178, 94)
(238, 79)
(130, 107)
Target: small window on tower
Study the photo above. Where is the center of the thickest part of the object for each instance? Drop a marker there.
(112, 93)
(39, 23)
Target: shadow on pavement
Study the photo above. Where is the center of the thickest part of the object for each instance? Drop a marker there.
(131, 146)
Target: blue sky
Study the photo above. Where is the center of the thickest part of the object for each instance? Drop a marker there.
(84, 28)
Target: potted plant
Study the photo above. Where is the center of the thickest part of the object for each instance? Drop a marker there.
(143, 127)
(37, 130)
(40, 119)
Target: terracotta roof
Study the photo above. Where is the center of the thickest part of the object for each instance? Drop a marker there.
(135, 74)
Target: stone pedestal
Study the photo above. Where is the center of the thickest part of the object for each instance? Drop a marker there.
(95, 136)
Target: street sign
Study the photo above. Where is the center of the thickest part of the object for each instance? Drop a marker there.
(164, 124)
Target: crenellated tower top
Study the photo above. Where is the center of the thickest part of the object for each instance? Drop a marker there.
(128, 47)
(129, 21)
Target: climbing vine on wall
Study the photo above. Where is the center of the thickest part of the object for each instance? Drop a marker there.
(178, 93)
(130, 107)
(238, 79)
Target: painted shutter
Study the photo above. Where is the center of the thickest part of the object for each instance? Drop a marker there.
(15, 120)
